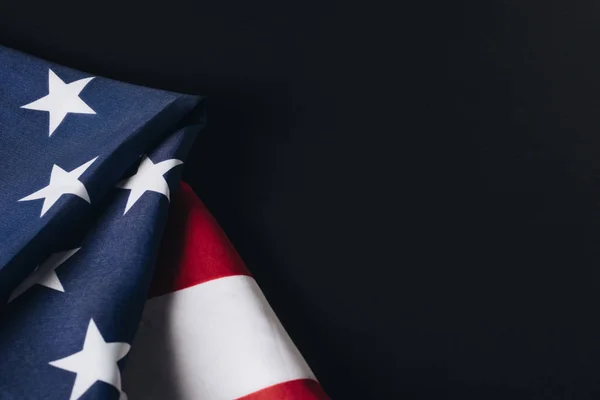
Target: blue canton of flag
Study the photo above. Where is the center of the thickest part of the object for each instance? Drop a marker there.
(87, 166)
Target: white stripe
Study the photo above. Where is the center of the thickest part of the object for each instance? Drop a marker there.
(217, 340)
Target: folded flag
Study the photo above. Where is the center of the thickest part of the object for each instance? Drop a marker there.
(88, 166)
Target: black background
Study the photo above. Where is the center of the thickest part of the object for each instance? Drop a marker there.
(416, 190)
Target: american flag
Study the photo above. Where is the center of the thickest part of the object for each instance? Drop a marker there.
(115, 280)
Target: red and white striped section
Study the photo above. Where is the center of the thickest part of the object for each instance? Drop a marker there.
(207, 331)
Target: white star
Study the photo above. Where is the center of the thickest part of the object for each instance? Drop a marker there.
(45, 274)
(149, 177)
(62, 98)
(61, 182)
(97, 361)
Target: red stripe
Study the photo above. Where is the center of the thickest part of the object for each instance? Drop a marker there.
(301, 389)
(194, 249)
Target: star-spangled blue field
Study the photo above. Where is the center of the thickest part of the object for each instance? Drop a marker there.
(86, 166)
